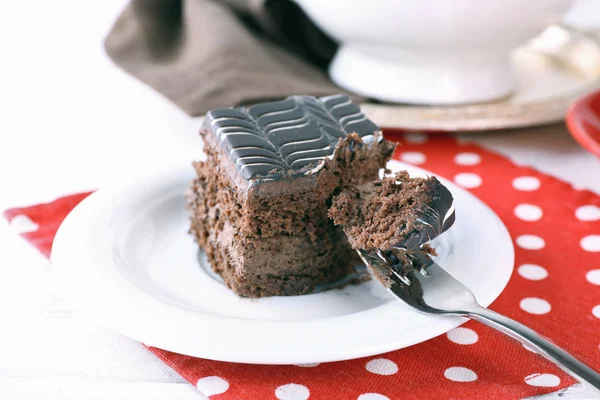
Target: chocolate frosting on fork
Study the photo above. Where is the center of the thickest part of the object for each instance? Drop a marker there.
(437, 219)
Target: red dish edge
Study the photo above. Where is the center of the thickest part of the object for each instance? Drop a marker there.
(583, 122)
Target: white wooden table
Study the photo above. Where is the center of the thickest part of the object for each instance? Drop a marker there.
(57, 89)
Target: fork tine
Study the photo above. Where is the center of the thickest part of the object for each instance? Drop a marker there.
(403, 278)
(382, 256)
(396, 266)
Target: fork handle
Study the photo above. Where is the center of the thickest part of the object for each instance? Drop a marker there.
(538, 343)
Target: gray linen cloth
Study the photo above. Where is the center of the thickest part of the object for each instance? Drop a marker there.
(203, 54)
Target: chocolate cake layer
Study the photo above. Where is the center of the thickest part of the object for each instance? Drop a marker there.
(259, 202)
(394, 217)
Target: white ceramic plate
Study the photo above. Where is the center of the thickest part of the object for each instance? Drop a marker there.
(131, 261)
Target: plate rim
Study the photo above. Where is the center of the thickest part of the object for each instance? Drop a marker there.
(65, 258)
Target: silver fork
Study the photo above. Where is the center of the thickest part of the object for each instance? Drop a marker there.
(432, 290)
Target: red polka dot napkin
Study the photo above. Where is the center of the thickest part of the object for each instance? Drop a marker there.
(555, 289)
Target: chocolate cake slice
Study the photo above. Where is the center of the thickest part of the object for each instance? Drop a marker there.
(259, 202)
(394, 218)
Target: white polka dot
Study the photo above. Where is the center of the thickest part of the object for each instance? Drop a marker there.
(413, 157)
(292, 391)
(382, 366)
(533, 305)
(596, 311)
(544, 380)
(593, 276)
(22, 224)
(528, 212)
(212, 385)
(588, 213)
(591, 243)
(468, 180)
(530, 242)
(467, 159)
(460, 374)
(532, 272)
(415, 137)
(307, 365)
(526, 183)
(372, 396)
(462, 336)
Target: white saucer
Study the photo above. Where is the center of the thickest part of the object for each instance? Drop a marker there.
(131, 261)
(553, 71)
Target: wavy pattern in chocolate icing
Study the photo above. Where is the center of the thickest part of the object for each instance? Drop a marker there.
(269, 139)
(436, 219)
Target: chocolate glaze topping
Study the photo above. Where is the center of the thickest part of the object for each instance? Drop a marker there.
(438, 218)
(270, 139)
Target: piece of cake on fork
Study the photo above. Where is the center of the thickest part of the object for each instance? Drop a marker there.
(390, 221)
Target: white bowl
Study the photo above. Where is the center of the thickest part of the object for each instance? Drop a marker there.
(429, 51)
